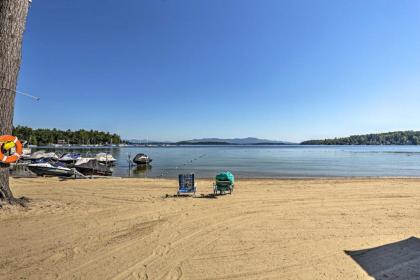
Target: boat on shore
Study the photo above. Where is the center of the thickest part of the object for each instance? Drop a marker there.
(70, 158)
(26, 152)
(140, 159)
(45, 167)
(91, 166)
(106, 159)
(39, 155)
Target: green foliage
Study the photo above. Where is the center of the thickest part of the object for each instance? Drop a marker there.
(42, 136)
(389, 138)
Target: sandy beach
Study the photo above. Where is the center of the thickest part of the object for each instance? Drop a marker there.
(268, 229)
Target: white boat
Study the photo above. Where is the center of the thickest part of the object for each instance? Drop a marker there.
(142, 159)
(105, 158)
(70, 158)
(91, 166)
(26, 152)
(41, 155)
(44, 167)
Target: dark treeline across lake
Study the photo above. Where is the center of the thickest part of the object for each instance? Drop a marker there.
(266, 161)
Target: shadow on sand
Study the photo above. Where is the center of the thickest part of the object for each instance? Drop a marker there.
(176, 196)
(211, 195)
(399, 260)
(206, 196)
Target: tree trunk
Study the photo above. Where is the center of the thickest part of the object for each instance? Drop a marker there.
(12, 25)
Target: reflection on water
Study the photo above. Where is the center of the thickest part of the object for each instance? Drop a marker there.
(266, 161)
(141, 170)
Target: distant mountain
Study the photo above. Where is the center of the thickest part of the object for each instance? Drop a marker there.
(213, 141)
(202, 143)
(145, 141)
(238, 141)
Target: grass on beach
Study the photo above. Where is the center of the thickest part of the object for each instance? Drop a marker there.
(268, 229)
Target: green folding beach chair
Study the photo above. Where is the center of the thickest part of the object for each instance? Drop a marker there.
(224, 183)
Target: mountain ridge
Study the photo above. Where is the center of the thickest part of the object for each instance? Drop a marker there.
(232, 141)
(239, 141)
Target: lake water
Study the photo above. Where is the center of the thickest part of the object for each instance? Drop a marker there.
(268, 161)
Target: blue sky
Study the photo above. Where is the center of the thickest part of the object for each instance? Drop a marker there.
(180, 69)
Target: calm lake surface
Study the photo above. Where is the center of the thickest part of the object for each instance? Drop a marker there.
(267, 161)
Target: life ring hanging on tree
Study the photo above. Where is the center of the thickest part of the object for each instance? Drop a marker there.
(7, 142)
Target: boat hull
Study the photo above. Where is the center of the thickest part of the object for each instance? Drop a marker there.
(142, 162)
(107, 163)
(50, 171)
(91, 171)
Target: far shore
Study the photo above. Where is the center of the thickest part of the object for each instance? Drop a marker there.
(286, 228)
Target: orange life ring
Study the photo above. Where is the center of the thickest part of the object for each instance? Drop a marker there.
(13, 158)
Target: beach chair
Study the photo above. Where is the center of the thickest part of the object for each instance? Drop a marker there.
(225, 182)
(186, 184)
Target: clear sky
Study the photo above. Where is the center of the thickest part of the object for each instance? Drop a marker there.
(180, 69)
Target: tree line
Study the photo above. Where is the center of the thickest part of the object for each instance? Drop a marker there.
(389, 138)
(45, 136)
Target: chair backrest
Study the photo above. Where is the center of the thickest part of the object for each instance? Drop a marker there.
(225, 179)
(186, 181)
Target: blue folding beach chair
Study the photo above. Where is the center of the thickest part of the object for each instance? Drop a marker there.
(186, 184)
